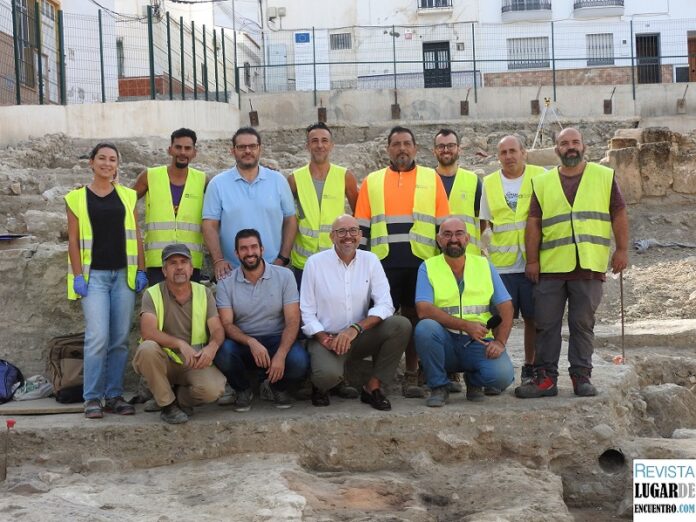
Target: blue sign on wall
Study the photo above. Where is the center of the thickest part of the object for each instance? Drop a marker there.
(301, 37)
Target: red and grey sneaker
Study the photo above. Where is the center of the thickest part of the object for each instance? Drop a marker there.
(542, 385)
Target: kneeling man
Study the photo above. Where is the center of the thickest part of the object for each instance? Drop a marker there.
(181, 334)
(454, 293)
(260, 312)
(341, 322)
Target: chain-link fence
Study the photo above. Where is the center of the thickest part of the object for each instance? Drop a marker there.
(96, 59)
(87, 59)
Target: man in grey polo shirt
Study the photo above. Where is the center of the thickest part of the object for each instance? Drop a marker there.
(260, 312)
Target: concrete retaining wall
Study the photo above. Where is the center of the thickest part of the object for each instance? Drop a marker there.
(118, 120)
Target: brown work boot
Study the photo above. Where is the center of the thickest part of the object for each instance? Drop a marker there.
(410, 387)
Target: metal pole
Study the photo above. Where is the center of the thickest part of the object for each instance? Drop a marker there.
(473, 50)
(61, 58)
(314, 65)
(215, 55)
(234, 44)
(151, 52)
(224, 62)
(101, 59)
(169, 58)
(205, 64)
(393, 35)
(39, 59)
(633, 67)
(553, 62)
(15, 41)
(183, 58)
(193, 51)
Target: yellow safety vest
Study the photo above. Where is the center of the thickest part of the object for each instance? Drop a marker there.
(422, 233)
(199, 311)
(315, 226)
(581, 232)
(77, 203)
(471, 305)
(462, 200)
(162, 227)
(508, 225)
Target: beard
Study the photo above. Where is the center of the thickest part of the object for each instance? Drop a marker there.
(449, 162)
(571, 161)
(180, 164)
(454, 250)
(251, 262)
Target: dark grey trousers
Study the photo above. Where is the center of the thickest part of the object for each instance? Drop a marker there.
(550, 297)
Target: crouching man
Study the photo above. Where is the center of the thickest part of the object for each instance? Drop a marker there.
(454, 293)
(181, 334)
(337, 290)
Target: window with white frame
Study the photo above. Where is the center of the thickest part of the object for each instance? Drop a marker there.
(528, 53)
(340, 41)
(600, 49)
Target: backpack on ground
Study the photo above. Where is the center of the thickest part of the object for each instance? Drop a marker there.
(65, 366)
(10, 379)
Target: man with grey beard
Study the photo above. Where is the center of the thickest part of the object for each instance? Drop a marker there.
(574, 210)
(454, 294)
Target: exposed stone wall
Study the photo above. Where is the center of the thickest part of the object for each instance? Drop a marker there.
(582, 76)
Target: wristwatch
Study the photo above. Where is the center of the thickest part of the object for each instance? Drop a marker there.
(285, 260)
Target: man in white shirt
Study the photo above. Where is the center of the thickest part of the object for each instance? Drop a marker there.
(504, 207)
(337, 286)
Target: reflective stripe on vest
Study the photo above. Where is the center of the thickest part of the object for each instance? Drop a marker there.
(471, 305)
(422, 233)
(581, 232)
(199, 311)
(162, 226)
(462, 205)
(508, 226)
(315, 226)
(77, 203)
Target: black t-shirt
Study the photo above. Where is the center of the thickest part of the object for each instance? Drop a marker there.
(106, 216)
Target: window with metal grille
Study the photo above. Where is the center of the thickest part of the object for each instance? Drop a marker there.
(528, 53)
(247, 74)
(600, 49)
(26, 41)
(340, 41)
(120, 58)
(429, 4)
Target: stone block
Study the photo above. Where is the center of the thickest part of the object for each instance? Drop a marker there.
(628, 175)
(656, 167)
(656, 134)
(672, 406)
(685, 177)
(47, 225)
(636, 134)
(622, 143)
(543, 157)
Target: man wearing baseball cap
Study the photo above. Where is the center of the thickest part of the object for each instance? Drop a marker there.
(181, 333)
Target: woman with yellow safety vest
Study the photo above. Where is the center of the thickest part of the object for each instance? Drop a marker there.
(105, 270)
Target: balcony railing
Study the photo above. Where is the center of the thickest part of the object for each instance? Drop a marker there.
(579, 4)
(435, 4)
(526, 5)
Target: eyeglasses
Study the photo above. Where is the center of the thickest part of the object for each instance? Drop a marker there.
(459, 234)
(251, 147)
(341, 232)
(446, 146)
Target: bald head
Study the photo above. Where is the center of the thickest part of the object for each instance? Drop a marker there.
(570, 148)
(452, 237)
(569, 133)
(512, 156)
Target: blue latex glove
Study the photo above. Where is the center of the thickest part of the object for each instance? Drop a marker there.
(140, 281)
(80, 285)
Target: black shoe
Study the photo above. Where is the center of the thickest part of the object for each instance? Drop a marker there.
(473, 393)
(345, 391)
(319, 398)
(376, 399)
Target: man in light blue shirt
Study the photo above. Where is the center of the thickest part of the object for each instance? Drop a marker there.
(248, 196)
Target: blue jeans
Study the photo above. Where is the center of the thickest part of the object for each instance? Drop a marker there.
(108, 311)
(441, 352)
(234, 360)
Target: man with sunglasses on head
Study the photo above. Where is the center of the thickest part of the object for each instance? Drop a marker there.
(248, 195)
(348, 313)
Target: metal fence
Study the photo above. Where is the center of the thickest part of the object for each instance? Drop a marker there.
(97, 59)
(87, 59)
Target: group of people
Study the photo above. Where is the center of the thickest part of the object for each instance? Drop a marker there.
(286, 256)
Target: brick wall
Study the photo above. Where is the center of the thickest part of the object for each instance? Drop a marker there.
(583, 76)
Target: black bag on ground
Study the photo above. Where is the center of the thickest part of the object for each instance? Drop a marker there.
(10, 380)
(65, 366)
